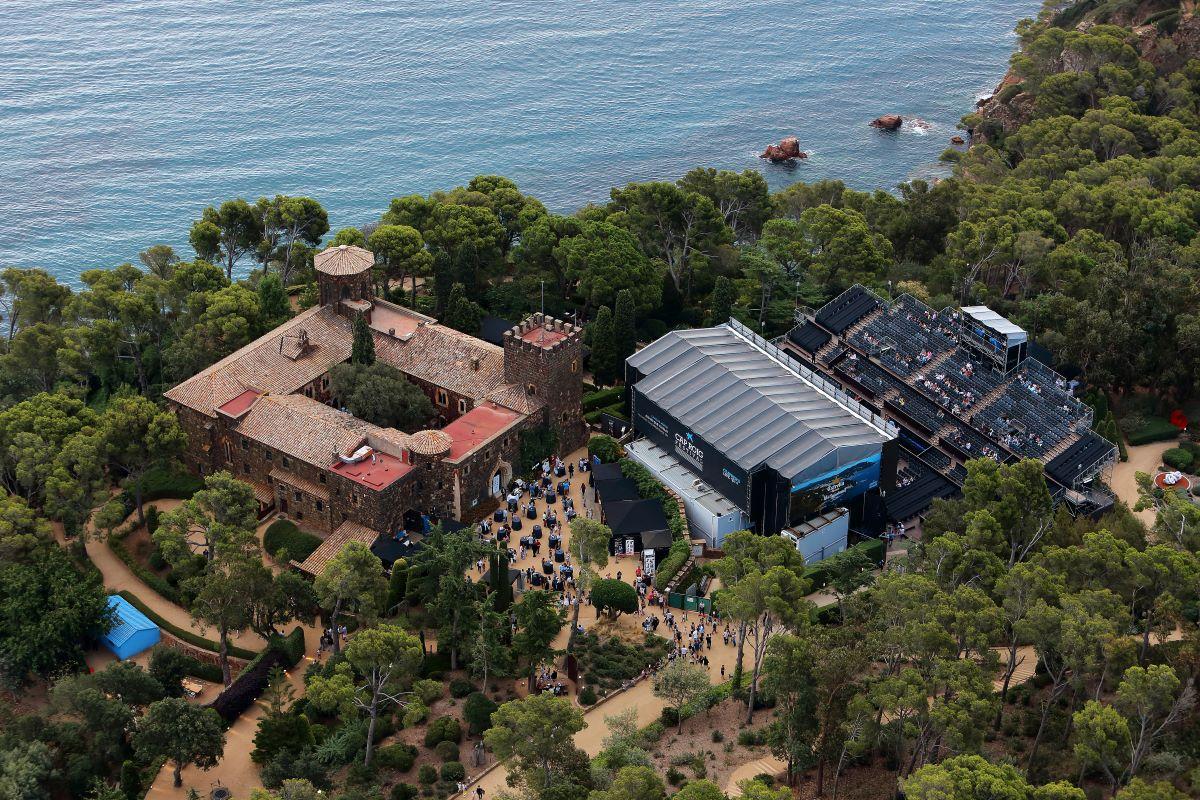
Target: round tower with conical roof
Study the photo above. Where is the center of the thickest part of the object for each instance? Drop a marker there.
(343, 273)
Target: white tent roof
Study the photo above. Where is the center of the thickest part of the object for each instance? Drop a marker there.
(999, 324)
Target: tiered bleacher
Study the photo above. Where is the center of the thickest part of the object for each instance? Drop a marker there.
(1076, 461)
(809, 337)
(847, 308)
(919, 359)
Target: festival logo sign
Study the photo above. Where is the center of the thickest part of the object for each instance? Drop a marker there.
(685, 445)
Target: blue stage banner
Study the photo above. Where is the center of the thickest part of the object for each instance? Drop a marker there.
(838, 486)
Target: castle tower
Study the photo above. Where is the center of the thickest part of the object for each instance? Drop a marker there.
(544, 356)
(344, 273)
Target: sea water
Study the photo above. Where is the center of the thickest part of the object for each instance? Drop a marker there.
(121, 119)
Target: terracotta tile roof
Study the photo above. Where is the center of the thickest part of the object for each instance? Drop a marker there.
(345, 259)
(304, 428)
(510, 395)
(316, 490)
(344, 534)
(445, 357)
(262, 492)
(262, 365)
(430, 443)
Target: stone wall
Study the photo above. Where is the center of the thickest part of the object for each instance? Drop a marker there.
(551, 372)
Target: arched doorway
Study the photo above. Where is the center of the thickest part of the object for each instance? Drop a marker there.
(500, 479)
(413, 521)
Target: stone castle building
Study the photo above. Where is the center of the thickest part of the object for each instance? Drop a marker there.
(266, 413)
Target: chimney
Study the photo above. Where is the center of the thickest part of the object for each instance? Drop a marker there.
(475, 364)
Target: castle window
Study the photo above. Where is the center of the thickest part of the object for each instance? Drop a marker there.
(245, 468)
(575, 365)
(322, 477)
(270, 456)
(320, 506)
(287, 462)
(297, 496)
(441, 398)
(462, 406)
(245, 443)
(270, 480)
(299, 515)
(531, 390)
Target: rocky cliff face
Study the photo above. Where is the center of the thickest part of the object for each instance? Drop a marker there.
(1167, 46)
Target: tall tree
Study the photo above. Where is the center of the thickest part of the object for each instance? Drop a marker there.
(137, 436)
(228, 231)
(383, 656)
(362, 347)
(679, 683)
(605, 358)
(183, 733)
(401, 253)
(625, 325)
(352, 581)
(537, 733)
(539, 618)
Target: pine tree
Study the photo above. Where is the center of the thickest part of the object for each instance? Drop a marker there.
(362, 350)
(462, 313)
(272, 302)
(624, 327)
(722, 300)
(606, 358)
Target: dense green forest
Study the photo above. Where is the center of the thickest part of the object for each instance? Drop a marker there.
(1075, 211)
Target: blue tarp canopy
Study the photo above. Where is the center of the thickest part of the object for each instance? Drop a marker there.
(132, 631)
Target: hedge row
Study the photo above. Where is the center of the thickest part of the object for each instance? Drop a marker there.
(291, 646)
(160, 483)
(146, 575)
(615, 410)
(595, 401)
(283, 534)
(242, 693)
(1153, 429)
(186, 635)
(670, 566)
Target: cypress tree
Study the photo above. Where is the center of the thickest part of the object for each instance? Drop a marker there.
(362, 349)
(606, 358)
(624, 327)
(722, 300)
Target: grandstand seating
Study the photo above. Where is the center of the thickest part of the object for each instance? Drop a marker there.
(808, 337)
(1072, 464)
(915, 497)
(920, 410)
(868, 376)
(848, 308)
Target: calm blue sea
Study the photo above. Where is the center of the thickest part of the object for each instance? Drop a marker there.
(121, 119)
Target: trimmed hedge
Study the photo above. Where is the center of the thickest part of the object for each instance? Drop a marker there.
(1178, 458)
(604, 447)
(670, 566)
(160, 483)
(1152, 429)
(283, 534)
(603, 398)
(186, 635)
(249, 685)
(146, 575)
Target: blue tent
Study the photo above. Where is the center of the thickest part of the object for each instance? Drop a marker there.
(132, 631)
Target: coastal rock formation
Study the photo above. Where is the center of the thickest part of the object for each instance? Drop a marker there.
(888, 122)
(919, 124)
(788, 149)
(957, 140)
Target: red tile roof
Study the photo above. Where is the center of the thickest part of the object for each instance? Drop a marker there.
(240, 404)
(477, 426)
(376, 471)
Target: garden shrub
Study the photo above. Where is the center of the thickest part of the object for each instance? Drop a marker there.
(415, 714)
(1144, 430)
(460, 688)
(359, 774)
(606, 664)
(443, 729)
(587, 696)
(399, 757)
(284, 535)
(453, 771)
(446, 751)
(615, 597)
(428, 691)
(280, 732)
(404, 791)
(427, 774)
(477, 711)
(606, 448)
(603, 398)
(1178, 458)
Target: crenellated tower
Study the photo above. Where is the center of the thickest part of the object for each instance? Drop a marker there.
(544, 356)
